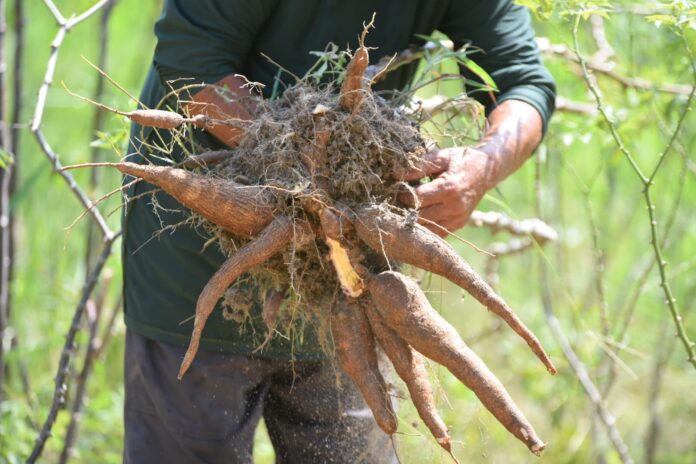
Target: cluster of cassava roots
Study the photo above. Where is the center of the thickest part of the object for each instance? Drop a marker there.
(324, 185)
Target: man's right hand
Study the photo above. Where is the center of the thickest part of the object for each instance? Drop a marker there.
(211, 103)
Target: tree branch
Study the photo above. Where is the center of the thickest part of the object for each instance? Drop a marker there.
(607, 69)
(66, 354)
(647, 183)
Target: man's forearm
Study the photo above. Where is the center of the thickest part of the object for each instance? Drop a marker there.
(514, 132)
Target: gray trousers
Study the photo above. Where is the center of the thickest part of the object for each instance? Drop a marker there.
(313, 411)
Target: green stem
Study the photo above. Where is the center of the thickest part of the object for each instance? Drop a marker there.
(647, 184)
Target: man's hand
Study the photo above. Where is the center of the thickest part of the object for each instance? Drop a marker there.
(462, 175)
(211, 103)
(459, 182)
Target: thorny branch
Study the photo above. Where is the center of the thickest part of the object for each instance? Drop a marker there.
(647, 182)
(627, 311)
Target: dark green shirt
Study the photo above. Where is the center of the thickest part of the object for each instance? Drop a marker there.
(202, 41)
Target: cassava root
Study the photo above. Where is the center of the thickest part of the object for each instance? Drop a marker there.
(270, 241)
(387, 232)
(404, 307)
(241, 209)
(355, 348)
(409, 365)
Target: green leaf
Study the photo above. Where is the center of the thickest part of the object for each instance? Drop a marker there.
(6, 158)
(479, 71)
(660, 19)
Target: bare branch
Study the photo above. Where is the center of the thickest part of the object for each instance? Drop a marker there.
(570, 106)
(535, 228)
(55, 12)
(578, 367)
(605, 51)
(607, 69)
(17, 79)
(41, 105)
(95, 346)
(665, 346)
(67, 352)
(5, 222)
(98, 123)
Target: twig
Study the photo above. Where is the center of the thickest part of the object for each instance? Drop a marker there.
(387, 64)
(579, 369)
(98, 123)
(535, 228)
(66, 354)
(627, 312)
(607, 69)
(94, 311)
(665, 346)
(647, 183)
(5, 222)
(65, 26)
(514, 246)
(439, 104)
(17, 81)
(570, 106)
(604, 50)
(55, 12)
(108, 235)
(599, 265)
(109, 328)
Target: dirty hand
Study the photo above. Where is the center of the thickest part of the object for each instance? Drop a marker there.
(460, 178)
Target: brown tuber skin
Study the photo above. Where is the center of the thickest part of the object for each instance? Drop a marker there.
(388, 233)
(409, 365)
(156, 118)
(270, 241)
(405, 309)
(352, 88)
(355, 348)
(241, 209)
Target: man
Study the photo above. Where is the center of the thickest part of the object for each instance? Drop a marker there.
(312, 411)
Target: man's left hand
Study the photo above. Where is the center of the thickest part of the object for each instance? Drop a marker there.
(459, 181)
(462, 175)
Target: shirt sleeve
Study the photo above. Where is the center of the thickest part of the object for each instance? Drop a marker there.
(202, 41)
(503, 33)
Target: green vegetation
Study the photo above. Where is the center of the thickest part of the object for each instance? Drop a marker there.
(600, 274)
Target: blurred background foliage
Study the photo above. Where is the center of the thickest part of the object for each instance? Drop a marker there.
(602, 286)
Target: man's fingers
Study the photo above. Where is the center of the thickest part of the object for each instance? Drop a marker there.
(439, 190)
(449, 217)
(434, 163)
